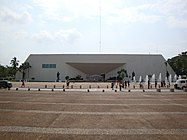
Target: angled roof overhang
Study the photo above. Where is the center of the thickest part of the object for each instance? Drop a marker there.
(95, 68)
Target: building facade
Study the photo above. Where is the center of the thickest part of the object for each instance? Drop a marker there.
(50, 67)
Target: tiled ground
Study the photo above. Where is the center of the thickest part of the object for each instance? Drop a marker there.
(93, 115)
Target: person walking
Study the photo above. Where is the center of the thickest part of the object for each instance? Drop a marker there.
(155, 83)
(22, 83)
(120, 86)
(148, 83)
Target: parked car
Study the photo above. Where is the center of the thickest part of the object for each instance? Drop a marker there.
(5, 84)
(181, 84)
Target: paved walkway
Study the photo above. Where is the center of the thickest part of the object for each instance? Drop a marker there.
(92, 115)
(78, 85)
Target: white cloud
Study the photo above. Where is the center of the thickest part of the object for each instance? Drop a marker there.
(21, 35)
(1, 42)
(7, 15)
(132, 15)
(172, 7)
(173, 11)
(112, 11)
(67, 10)
(69, 35)
(64, 36)
(176, 22)
(43, 36)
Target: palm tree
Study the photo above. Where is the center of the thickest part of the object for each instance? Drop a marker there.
(27, 66)
(14, 62)
(23, 67)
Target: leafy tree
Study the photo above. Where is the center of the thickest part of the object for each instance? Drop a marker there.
(78, 77)
(67, 77)
(6, 72)
(9, 72)
(179, 63)
(122, 74)
(2, 72)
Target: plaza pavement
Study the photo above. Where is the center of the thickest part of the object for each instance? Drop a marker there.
(78, 114)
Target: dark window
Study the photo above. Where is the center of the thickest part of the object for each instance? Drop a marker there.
(48, 65)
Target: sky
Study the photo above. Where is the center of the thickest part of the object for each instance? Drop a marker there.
(92, 26)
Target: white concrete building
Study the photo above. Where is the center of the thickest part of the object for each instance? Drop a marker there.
(44, 67)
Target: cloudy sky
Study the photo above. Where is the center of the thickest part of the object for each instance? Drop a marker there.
(73, 26)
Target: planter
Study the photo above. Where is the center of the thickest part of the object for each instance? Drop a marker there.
(158, 90)
(171, 89)
(185, 89)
